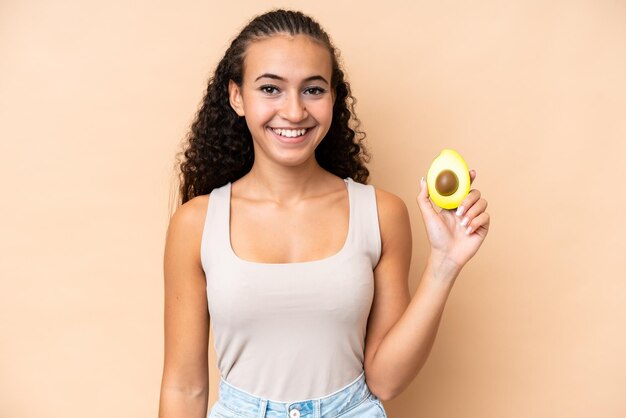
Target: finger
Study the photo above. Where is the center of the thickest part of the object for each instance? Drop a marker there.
(467, 203)
(481, 221)
(423, 202)
(474, 211)
(472, 174)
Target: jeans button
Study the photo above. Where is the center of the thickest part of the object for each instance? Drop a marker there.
(294, 413)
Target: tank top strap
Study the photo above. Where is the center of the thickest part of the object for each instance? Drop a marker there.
(366, 229)
(216, 227)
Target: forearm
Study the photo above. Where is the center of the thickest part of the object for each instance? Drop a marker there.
(181, 403)
(405, 348)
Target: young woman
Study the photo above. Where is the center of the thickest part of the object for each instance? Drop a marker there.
(300, 265)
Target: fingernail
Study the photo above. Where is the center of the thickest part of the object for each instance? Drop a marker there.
(460, 210)
(464, 221)
(468, 231)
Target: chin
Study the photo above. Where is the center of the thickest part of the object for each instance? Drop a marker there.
(294, 160)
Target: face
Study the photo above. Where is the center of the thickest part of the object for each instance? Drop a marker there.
(285, 97)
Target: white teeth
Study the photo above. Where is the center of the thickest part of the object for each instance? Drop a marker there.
(290, 133)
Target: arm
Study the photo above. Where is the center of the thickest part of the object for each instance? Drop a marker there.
(185, 383)
(401, 330)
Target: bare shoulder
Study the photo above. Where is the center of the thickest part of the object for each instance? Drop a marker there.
(184, 233)
(389, 202)
(189, 217)
(393, 214)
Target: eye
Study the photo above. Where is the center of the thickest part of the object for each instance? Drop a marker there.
(269, 89)
(314, 91)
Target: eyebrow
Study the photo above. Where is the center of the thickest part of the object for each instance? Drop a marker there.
(277, 77)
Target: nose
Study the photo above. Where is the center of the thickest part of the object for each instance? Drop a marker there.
(293, 108)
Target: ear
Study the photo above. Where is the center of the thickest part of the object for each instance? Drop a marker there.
(235, 98)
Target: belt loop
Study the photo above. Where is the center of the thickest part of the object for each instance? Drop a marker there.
(317, 408)
(262, 408)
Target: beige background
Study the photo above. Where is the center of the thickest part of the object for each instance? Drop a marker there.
(95, 99)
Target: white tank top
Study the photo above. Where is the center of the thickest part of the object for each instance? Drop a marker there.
(292, 331)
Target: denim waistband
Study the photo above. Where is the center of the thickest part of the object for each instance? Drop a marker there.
(338, 402)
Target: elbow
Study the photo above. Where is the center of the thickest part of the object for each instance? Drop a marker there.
(385, 391)
(199, 392)
(385, 395)
(381, 383)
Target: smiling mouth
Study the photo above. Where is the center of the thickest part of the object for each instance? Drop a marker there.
(290, 133)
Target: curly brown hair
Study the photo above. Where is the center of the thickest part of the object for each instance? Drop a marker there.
(219, 146)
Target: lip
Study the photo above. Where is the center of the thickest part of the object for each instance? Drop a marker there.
(291, 141)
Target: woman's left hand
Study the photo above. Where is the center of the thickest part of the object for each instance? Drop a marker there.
(448, 230)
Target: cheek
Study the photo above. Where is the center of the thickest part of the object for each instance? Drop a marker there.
(258, 111)
(323, 110)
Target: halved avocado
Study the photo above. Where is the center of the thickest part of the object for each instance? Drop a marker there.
(448, 179)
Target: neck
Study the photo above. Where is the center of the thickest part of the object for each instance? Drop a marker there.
(283, 184)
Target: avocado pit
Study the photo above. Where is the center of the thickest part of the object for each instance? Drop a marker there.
(447, 183)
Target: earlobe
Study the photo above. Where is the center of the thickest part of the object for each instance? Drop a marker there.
(234, 96)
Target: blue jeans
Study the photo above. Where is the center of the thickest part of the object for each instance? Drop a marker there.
(352, 401)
